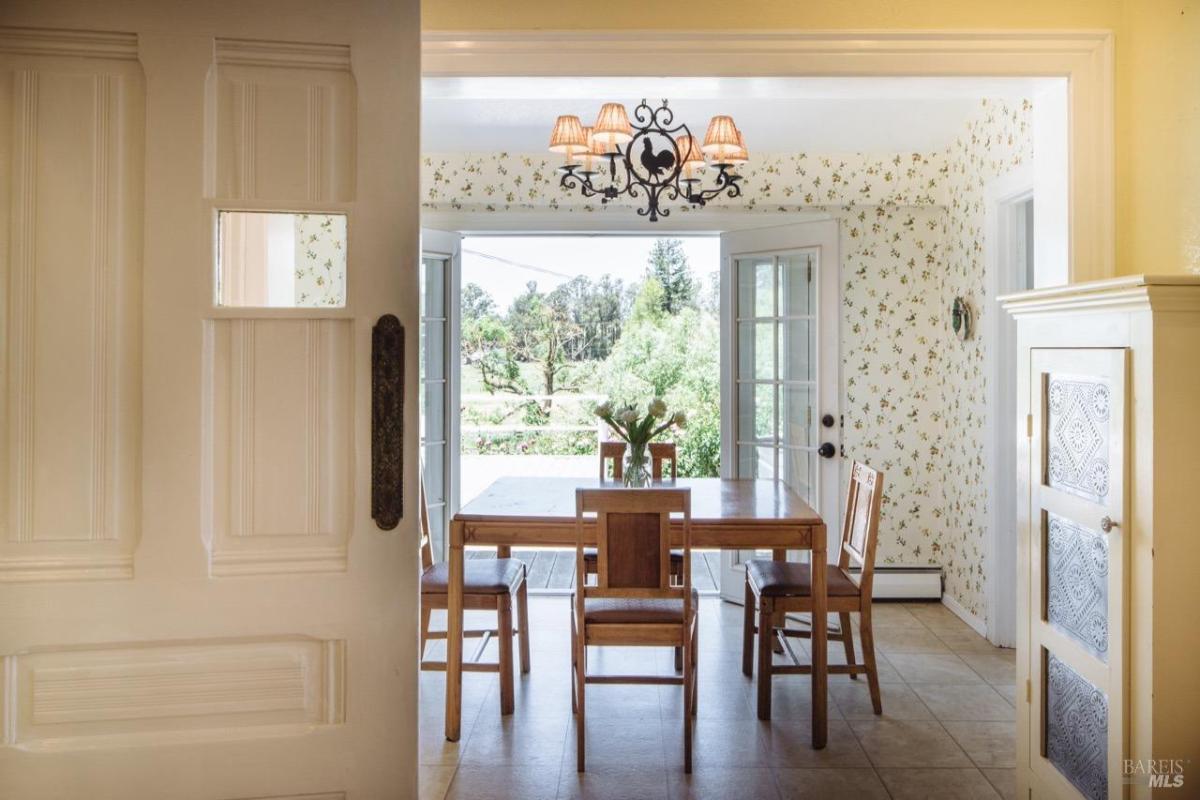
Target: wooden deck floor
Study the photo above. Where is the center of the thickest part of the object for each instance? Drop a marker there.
(554, 570)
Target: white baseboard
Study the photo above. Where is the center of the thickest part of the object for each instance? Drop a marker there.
(898, 583)
(975, 622)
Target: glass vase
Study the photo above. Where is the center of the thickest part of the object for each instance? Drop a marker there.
(637, 465)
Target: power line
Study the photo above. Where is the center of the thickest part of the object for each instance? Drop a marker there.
(518, 264)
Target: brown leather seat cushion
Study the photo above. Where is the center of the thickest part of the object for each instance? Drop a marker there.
(788, 579)
(590, 556)
(481, 576)
(622, 610)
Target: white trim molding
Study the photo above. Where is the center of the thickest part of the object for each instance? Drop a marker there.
(1084, 57)
(978, 625)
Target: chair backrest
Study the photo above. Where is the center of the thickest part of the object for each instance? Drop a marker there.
(660, 452)
(633, 542)
(423, 513)
(613, 452)
(860, 526)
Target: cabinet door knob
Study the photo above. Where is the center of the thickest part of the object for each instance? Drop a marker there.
(1107, 524)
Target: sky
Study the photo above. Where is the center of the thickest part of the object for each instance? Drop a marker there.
(502, 265)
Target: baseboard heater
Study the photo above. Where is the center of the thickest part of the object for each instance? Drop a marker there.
(907, 583)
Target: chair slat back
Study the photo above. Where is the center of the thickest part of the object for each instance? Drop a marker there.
(633, 541)
(612, 453)
(426, 544)
(660, 452)
(860, 526)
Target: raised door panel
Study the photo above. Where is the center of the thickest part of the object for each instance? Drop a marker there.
(278, 424)
(70, 131)
(1078, 555)
(281, 122)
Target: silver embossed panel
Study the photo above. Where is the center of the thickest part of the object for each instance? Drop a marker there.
(1077, 433)
(1077, 729)
(1077, 583)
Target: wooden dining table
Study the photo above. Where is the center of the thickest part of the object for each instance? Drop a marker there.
(726, 514)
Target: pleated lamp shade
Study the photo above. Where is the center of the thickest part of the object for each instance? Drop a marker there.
(612, 125)
(721, 136)
(737, 155)
(690, 154)
(590, 156)
(567, 136)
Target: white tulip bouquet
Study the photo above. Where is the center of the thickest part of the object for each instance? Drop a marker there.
(637, 429)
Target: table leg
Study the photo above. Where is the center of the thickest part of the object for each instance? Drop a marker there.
(780, 619)
(454, 631)
(820, 643)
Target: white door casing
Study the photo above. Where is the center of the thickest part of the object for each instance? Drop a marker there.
(1006, 272)
(818, 242)
(194, 600)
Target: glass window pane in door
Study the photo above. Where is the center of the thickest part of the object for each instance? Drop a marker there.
(797, 355)
(756, 351)
(798, 469)
(797, 416)
(796, 285)
(756, 462)
(754, 288)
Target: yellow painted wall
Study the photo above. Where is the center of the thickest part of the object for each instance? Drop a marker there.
(1157, 79)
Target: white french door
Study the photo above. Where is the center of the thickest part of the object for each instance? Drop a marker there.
(205, 209)
(441, 270)
(780, 390)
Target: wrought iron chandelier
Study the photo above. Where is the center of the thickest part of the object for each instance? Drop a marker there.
(654, 158)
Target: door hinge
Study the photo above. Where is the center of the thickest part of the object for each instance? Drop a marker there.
(1028, 691)
(809, 264)
(1029, 426)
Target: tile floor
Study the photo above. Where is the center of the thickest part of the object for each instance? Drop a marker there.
(947, 729)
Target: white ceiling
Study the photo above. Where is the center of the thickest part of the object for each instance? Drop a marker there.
(775, 114)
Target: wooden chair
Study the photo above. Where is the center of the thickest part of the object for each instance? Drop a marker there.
(491, 584)
(660, 452)
(634, 602)
(614, 452)
(779, 587)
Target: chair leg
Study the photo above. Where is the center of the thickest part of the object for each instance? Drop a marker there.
(679, 659)
(748, 631)
(523, 626)
(689, 675)
(426, 613)
(868, 646)
(695, 665)
(505, 630)
(580, 685)
(766, 631)
(847, 640)
(574, 666)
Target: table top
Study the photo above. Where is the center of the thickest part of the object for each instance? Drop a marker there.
(714, 500)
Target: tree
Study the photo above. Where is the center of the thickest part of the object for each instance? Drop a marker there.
(487, 343)
(668, 265)
(597, 309)
(541, 333)
(476, 303)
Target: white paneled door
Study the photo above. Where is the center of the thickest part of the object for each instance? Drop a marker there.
(204, 209)
(780, 390)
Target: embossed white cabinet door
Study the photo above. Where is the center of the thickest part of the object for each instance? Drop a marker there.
(194, 599)
(1078, 548)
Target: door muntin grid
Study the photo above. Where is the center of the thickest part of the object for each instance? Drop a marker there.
(776, 350)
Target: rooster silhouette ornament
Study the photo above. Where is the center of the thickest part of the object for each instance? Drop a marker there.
(656, 163)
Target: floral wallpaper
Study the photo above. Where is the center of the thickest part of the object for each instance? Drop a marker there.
(911, 240)
(998, 138)
(320, 260)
